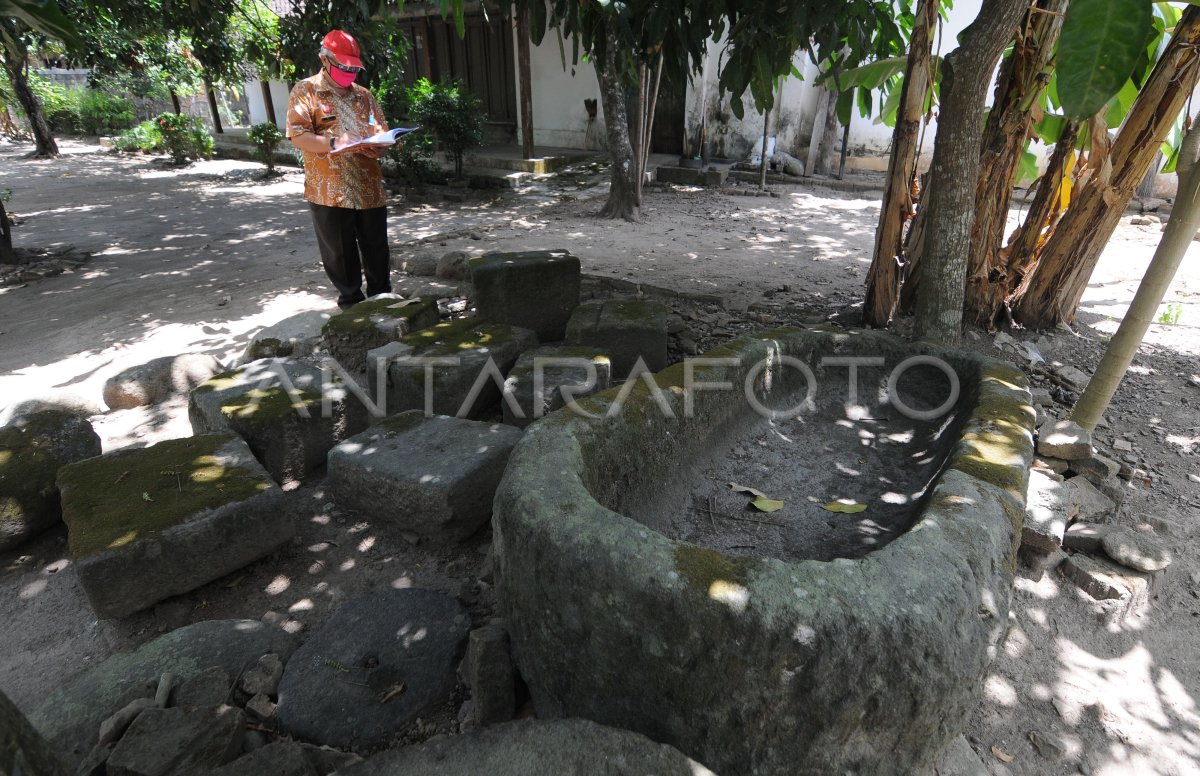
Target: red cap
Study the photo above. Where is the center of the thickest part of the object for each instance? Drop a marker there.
(343, 47)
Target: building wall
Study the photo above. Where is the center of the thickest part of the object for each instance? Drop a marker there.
(258, 108)
(559, 116)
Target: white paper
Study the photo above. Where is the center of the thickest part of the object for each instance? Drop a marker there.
(381, 139)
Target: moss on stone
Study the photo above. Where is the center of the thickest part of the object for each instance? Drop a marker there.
(111, 501)
(365, 314)
(453, 337)
(269, 347)
(268, 405)
(26, 482)
(633, 310)
(700, 567)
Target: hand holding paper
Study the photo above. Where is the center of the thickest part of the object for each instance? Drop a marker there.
(378, 140)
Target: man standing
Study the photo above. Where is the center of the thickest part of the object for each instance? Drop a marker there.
(344, 190)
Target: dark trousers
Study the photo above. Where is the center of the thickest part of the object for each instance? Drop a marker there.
(345, 234)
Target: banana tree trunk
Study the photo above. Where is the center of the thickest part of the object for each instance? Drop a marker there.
(1070, 255)
(883, 279)
(955, 172)
(1019, 89)
(1181, 228)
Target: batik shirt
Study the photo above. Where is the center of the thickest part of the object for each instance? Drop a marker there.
(347, 180)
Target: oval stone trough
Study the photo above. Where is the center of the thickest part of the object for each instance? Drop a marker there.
(866, 661)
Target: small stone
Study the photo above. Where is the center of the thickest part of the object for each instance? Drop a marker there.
(1057, 466)
(1086, 537)
(162, 741)
(1139, 221)
(1097, 468)
(1048, 745)
(1122, 445)
(1046, 513)
(1194, 477)
(1077, 378)
(1137, 550)
(1064, 439)
(454, 266)
(1040, 563)
(115, 726)
(1163, 526)
(263, 677)
(490, 675)
(1085, 502)
(158, 380)
(260, 707)
(163, 694)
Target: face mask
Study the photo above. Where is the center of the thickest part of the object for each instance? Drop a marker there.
(341, 78)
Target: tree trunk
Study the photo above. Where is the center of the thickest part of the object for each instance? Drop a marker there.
(7, 254)
(1181, 228)
(829, 133)
(883, 279)
(175, 103)
(762, 161)
(15, 67)
(268, 100)
(955, 171)
(1070, 255)
(22, 748)
(212, 107)
(525, 78)
(622, 194)
(1023, 79)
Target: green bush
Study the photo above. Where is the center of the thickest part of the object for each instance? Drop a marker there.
(183, 137)
(414, 159)
(144, 137)
(59, 105)
(452, 113)
(80, 110)
(266, 138)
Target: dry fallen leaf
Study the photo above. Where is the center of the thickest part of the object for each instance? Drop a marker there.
(746, 489)
(764, 504)
(845, 505)
(1002, 756)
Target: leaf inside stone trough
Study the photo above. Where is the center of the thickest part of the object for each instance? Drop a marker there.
(747, 489)
(764, 504)
(848, 506)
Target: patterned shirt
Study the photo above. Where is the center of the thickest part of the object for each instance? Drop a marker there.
(347, 180)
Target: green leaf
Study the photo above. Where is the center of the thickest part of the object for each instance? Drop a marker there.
(1119, 105)
(1027, 169)
(764, 504)
(43, 16)
(845, 105)
(844, 505)
(1099, 47)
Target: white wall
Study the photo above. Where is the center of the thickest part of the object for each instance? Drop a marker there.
(559, 117)
(258, 110)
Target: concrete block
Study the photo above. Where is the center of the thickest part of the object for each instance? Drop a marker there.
(1046, 516)
(149, 523)
(1064, 439)
(535, 290)
(433, 476)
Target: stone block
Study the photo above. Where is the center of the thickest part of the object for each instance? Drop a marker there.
(295, 336)
(1105, 581)
(1085, 502)
(625, 329)
(278, 758)
(263, 677)
(535, 290)
(289, 413)
(146, 524)
(1055, 465)
(432, 476)
(1086, 537)
(380, 661)
(1138, 550)
(32, 450)
(1046, 513)
(490, 674)
(374, 323)
(1064, 439)
(688, 176)
(158, 380)
(455, 265)
(210, 687)
(177, 741)
(472, 351)
(1097, 468)
(588, 371)
(1039, 563)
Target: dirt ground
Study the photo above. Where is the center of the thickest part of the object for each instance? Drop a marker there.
(198, 259)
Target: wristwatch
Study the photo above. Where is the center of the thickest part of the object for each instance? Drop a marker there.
(332, 144)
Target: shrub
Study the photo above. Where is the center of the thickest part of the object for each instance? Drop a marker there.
(101, 113)
(59, 106)
(266, 138)
(452, 113)
(144, 137)
(414, 159)
(183, 137)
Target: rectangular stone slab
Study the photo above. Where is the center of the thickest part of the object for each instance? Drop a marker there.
(146, 524)
(373, 324)
(535, 290)
(473, 342)
(254, 402)
(556, 373)
(433, 476)
(626, 329)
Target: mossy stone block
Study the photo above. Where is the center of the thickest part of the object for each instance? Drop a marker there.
(150, 523)
(484, 353)
(32, 450)
(535, 290)
(294, 336)
(433, 476)
(289, 413)
(372, 324)
(626, 329)
(579, 369)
